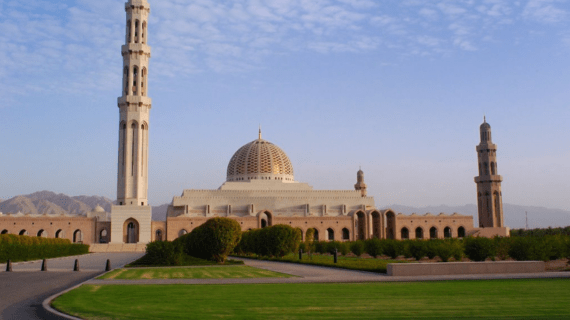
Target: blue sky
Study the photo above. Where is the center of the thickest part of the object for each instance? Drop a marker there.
(397, 87)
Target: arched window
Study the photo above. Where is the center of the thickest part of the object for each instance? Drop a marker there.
(135, 78)
(59, 234)
(486, 165)
(42, 233)
(461, 232)
(143, 35)
(126, 80)
(316, 235)
(345, 234)
(433, 233)
(330, 233)
(133, 148)
(405, 233)
(158, 235)
(182, 232)
(77, 236)
(447, 232)
(23, 232)
(129, 31)
(4, 231)
(419, 233)
(137, 31)
(480, 169)
(493, 168)
(143, 82)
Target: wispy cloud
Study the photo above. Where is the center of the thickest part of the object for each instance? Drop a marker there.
(46, 45)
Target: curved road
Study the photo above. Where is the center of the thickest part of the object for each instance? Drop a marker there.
(23, 290)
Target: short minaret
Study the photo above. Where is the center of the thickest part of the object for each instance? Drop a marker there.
(134, 106)
(489, 195)
(360, 185)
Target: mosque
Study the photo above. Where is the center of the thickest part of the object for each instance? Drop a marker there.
(260, 188)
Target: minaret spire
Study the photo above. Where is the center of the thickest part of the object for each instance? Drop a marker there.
(489, 194)
(134, 106)
(259, 132)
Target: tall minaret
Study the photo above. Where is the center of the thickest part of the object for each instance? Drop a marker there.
(134, 106)
(489, 195)
(360, 185)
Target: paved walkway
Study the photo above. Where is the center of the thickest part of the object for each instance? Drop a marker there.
(316, 274)
(23, 291)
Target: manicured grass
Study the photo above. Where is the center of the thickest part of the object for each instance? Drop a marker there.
(238, 272)
(186, 260)
(490, 299)
(352, 263)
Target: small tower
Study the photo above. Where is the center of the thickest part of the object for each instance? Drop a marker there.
(134, 106)
(489, 195)
(360, 185)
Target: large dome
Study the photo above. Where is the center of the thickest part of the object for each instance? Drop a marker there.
(260, 160)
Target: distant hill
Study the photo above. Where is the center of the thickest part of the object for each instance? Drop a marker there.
(52, 203)
(538, 217)
(47, 202)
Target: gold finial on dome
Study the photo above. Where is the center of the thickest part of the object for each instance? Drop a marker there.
(260, 132)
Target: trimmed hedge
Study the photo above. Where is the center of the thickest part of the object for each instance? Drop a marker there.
(24, 248)
(275, 241)
(164, 253)
(214, 240)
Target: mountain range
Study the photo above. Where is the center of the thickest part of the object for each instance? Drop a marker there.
(47, 202)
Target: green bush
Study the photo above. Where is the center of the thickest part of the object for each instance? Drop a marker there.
(479, 248)
(418, 248)
(444, 250)
(24, 248)
(374, 247)
(357, 247)
(214, 240)
(528, 248)
(276, 241)
(164, 253)
(320, 247)
(332, 245)
(502, 246)
(431, 248)
(392, 248)
(555, 246)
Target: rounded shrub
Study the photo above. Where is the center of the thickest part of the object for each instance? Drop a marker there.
(418, 248)
(165, 253)
(374, 247)
(479, 248)
(214, 240)
(392, 248)
(320, 247)
(357, 247)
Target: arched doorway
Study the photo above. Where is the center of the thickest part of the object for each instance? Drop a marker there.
(360, 224)
(390, 225)
(265, 219)
(131, 231)
(419, 233)
(376, 225)
(433, 233)
(42, 233)
(77, 236)
(405, 233)
(4, 231)
(345, 234)
(461, 232)
(447, 232)
(330, 233)
(182, 232)
(23, 232)
(59, 234)
(103, 236)
(158, 235)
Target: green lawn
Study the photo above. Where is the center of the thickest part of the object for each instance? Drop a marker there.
(352, 263)
(186, 260)
(192, 273)
(491, 299)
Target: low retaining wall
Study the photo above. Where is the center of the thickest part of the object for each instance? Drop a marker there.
(117, 247)
(452, 268)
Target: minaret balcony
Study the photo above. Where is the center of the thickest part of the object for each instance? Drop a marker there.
(135, 47)
(489, 178)
(136, 100)
(136, 3)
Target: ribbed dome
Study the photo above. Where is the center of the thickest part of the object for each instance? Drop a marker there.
(260, 159)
